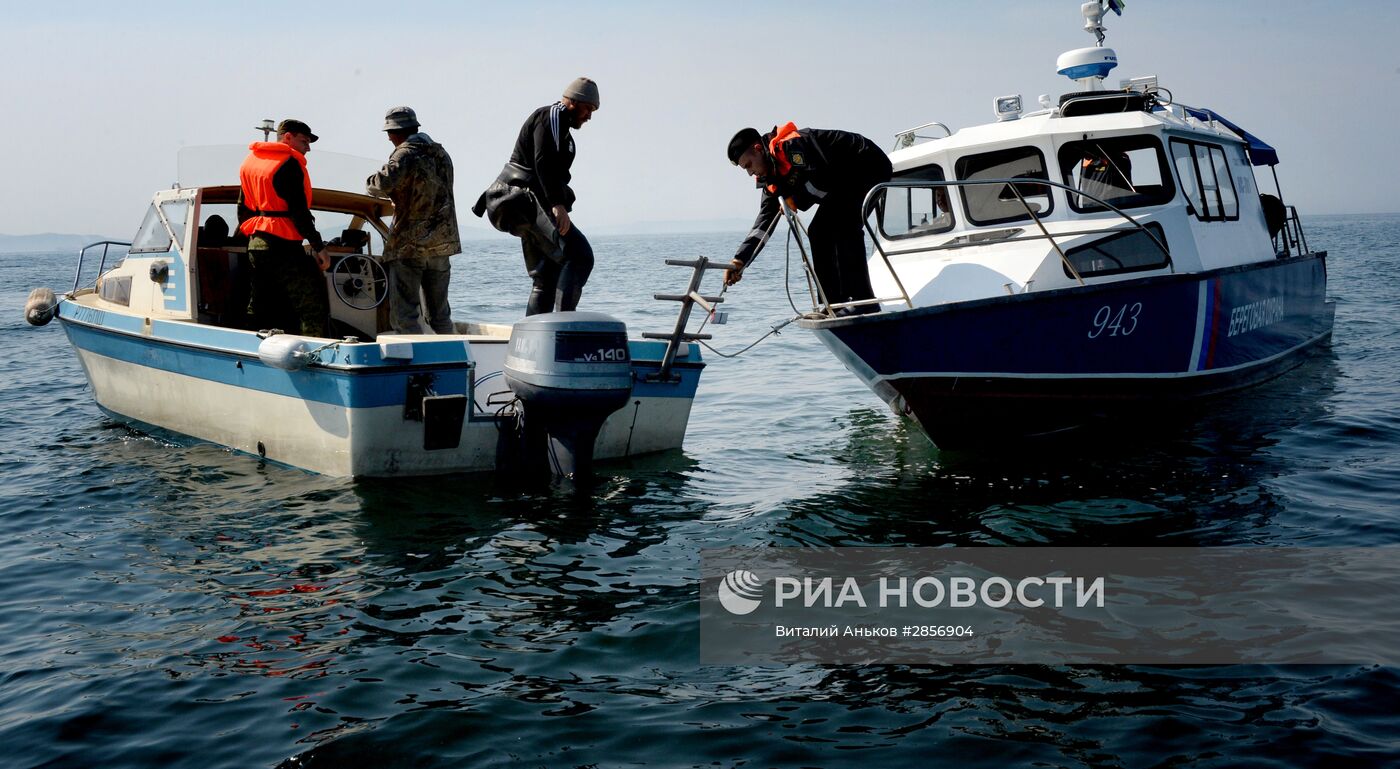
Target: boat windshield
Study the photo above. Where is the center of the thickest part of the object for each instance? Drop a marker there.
(999, 204)
(218, 223)
(1123, 171)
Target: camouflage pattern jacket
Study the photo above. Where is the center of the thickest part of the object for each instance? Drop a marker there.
(418, 179)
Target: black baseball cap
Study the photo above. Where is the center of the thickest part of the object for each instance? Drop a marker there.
(297, 127)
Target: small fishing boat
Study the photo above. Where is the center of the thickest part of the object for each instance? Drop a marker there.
(1108, 251)
(165, 342)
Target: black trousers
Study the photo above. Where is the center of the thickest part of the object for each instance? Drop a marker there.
(289, 290)
(559, 285)
(837, 238)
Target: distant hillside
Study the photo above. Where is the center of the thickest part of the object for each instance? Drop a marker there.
(480, 233)
(46, 242)
(676, 227)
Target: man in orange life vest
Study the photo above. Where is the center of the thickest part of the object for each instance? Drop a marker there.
(812, 166)
(289, 291)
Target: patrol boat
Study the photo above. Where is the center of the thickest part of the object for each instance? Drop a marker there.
(1109, 250)
(162, 338)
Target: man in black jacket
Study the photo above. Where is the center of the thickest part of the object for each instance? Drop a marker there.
(545, 150)
(813, 166)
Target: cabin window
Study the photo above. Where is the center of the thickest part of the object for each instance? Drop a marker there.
(1205, 176)
(1225, 185)
(176, 212)
(116, 290)
(1128, 251)
(152, 237)
(987, 204)
(1186, 171)
(156, 236)
(907, 212)
(1209, 188)
(1124, 171)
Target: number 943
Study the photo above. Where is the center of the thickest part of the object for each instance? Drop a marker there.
(1116, 321)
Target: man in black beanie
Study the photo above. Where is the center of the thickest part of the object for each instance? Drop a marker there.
(544, 150)
(812, 166)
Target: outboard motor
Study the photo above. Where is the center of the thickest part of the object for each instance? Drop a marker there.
(570, 370)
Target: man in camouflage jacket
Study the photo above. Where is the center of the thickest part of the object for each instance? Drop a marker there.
(418, 179)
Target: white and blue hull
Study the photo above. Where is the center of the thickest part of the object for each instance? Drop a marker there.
(345, 415)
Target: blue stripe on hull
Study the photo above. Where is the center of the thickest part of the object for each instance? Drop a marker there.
(364, 388)
(356, 378)
(689, 380)
(230, 340)
(646, 360)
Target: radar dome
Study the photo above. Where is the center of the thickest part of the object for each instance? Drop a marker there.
(1086, 62)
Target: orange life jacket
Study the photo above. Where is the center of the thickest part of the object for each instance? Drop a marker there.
(269, 209)
(781, 165)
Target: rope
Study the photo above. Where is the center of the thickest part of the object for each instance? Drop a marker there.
(787, 264)
(755, 342)
(787, 289)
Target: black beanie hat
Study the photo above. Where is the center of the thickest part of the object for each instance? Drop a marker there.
(741, 142)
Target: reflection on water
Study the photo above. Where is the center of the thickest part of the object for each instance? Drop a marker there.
(1197, 475)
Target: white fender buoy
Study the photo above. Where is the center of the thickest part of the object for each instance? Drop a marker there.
(285, 351)
(40, 307)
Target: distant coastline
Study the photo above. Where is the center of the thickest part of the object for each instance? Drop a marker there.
(47, 242)
(51, 242)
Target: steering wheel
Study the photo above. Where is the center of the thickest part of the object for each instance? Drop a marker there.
(360, 281)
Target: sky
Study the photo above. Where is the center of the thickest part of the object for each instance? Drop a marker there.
(99, 97)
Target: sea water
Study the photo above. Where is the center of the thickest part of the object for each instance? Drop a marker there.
(179, 605)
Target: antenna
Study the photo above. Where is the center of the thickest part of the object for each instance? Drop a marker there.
(1089, 66)
(1093, 19)
(267, 128)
